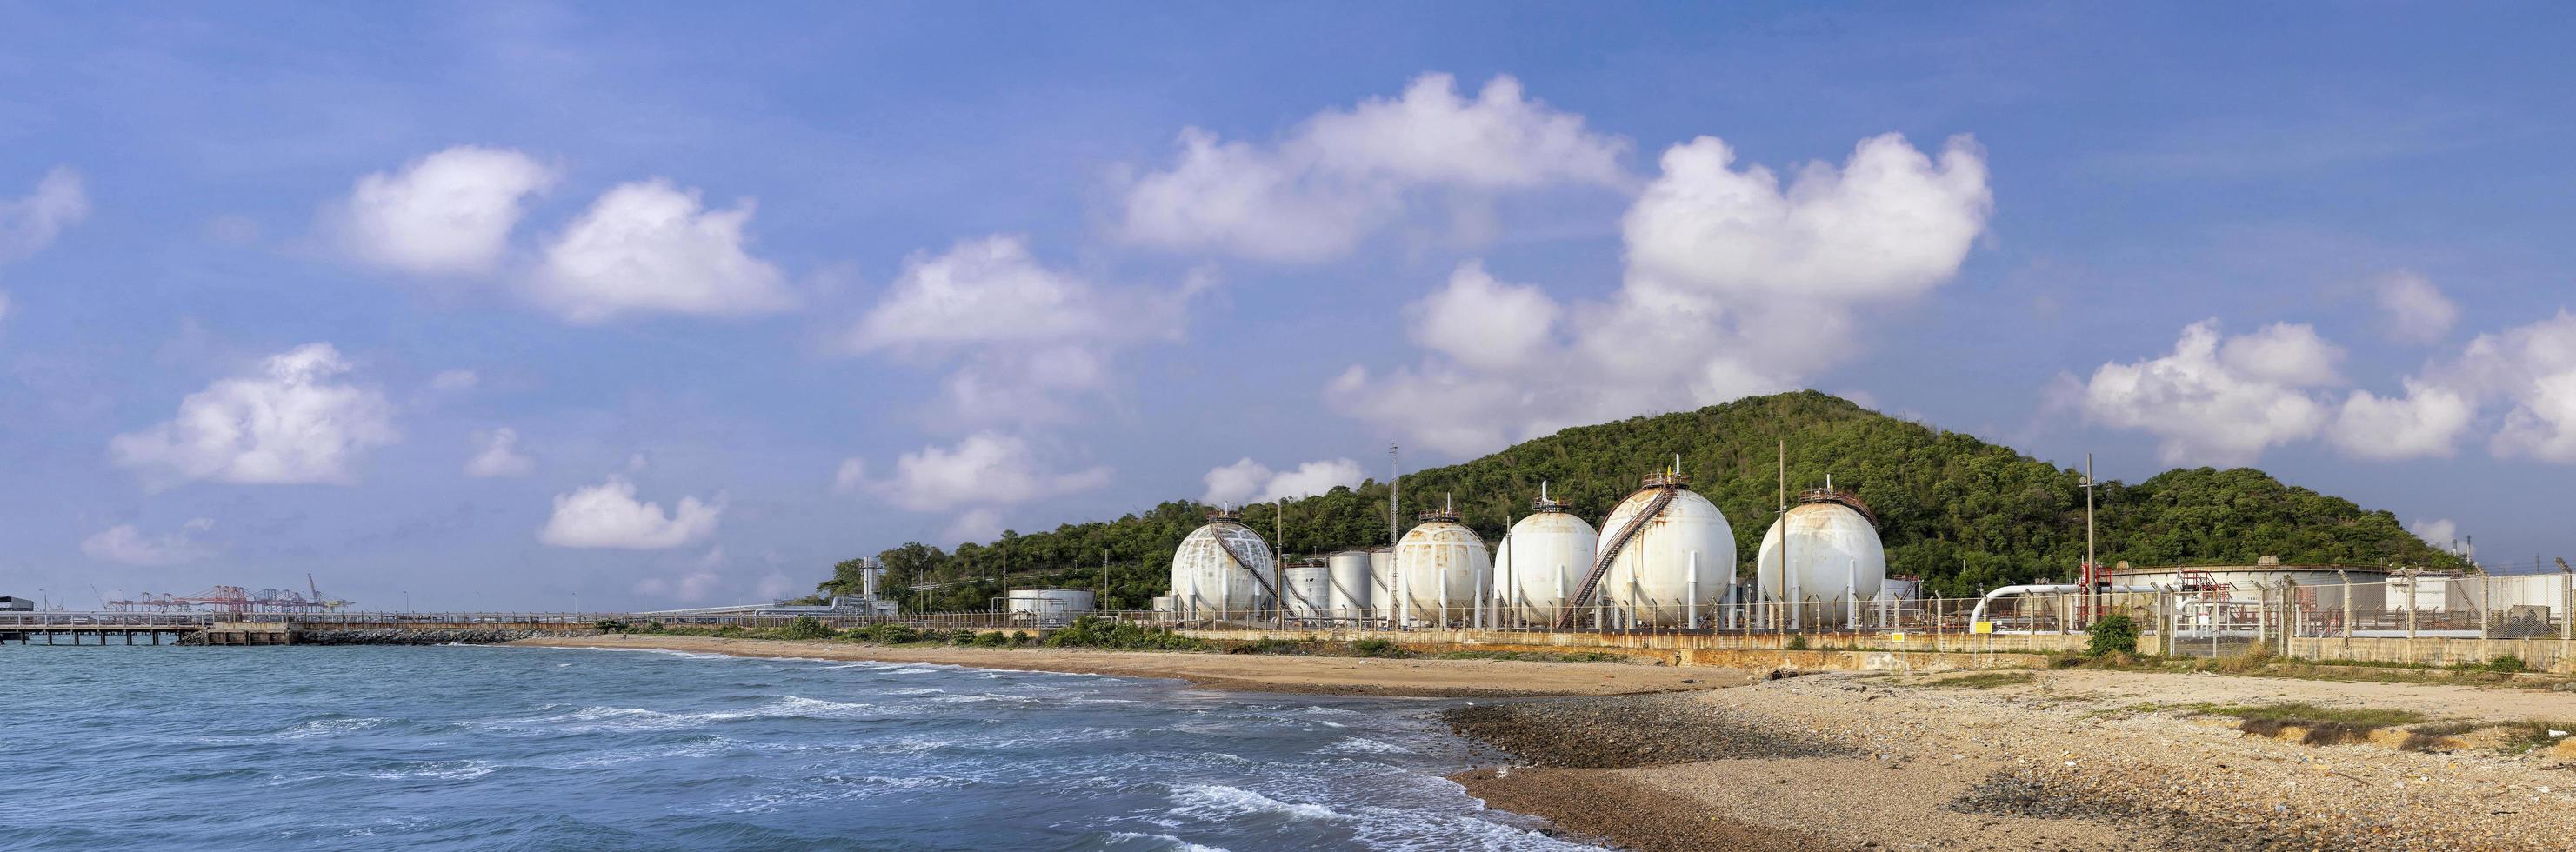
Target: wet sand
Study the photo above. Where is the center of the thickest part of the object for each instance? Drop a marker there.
(1251, 672)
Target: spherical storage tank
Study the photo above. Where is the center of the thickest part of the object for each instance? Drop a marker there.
(1440, 568)
(1542, 562)
(1350, 580)
(1221, 567)
(1833, 551)
(1677, 563)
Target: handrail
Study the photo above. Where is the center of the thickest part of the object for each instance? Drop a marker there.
(1601, 565)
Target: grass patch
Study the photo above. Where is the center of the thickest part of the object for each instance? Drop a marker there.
(2324, 725)
(1983, 680)
(2526, 737)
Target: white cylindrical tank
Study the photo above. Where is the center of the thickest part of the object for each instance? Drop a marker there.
(1221, 568)
(1441, 569)
(1542, 563)
(1834, 556)
(1309, 591)
(1675, 568)
(1050, 607)
(1350, 582)
(1382, 583)
(1162, 603)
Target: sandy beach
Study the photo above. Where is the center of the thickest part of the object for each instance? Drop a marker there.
(1664, 758)
(1255, 672)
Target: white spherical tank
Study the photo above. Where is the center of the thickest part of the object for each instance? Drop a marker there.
(1542, 563)
(1350, 580)
(1441, 567)
(1676, 566)
(1223, 567)
(1310, 590)
(1833, 553)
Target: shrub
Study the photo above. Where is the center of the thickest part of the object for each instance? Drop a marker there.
(885, 634)
(1798, 642)
(2507, 664)
(1092, 631)
(1376, 648)
(993, 639)
(2115, 633)
(807, 627)
(611, 625)
(1022, 637)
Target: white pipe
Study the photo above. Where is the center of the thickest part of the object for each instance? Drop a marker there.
(1979, 614)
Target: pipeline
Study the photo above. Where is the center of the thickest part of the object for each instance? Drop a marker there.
(1979, 614)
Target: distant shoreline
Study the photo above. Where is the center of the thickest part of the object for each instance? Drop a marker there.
(1416, 678)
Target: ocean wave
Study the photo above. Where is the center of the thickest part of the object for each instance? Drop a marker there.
(600, 719)
(1219, 801)
(443, 770)
(831, 789)
(1129, 840)
(1362, 745)
(329, 727)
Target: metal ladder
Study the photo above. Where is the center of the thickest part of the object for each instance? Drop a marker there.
(1601, 566)
(1246, 564)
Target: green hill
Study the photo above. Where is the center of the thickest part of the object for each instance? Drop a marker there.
(1961, 513)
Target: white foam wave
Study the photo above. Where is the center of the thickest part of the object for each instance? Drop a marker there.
(328, 728)
(1362, 745)
(444, 770)
(1221, 801)
(1132, 840)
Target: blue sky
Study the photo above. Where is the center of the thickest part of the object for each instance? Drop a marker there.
(753, 293)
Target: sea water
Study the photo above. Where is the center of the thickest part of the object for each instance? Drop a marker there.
(543, 748)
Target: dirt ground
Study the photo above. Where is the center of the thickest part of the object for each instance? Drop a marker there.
(1255, 672)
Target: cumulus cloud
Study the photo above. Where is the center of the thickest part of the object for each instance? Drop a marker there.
(2531, 370)
(1024, 341)
(650, 247)
(2219, 400)
(1248, 481)
(125, 543)
(608, 515)
(498, 456)
(30, 223)
(2427, 421)
(449, 213)
(2438, 532)
(1732, 281)
(289, 422)
(1344, 173)
(983, 523)
(985, 468)
(2415, 310)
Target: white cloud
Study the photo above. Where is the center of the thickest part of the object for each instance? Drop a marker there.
(650, 247)
(1344, 173)
(1484, 323)
(2438, 532)
(773, 587)
(607, 515)
(126, 544)
(287, 423)
(449, 213)
(4, 305)
(499, 456)
(1733, 281)
(983, 469)
(455, 381)
(1025, 340)
(2533, 369)
(1248, 481)
(2415, 310)
(2427, 421)
(2218, 400)
(852, 474)
(978, 524)
(29, 224)
(691, 587)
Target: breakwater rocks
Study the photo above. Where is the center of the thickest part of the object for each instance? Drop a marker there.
(419, 636)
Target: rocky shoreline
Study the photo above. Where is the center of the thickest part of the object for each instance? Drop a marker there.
(1879, 762)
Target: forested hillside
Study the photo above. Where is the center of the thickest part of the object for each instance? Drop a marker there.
(1962, 513)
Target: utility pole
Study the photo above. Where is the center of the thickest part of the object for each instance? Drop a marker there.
(1279, 561)
(2092, 598)
(1394, 505)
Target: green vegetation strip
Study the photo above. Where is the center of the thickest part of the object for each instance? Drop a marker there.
(1983, 680)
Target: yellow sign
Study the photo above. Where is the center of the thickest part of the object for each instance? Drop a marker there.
(1898, 638)
(1982, 627)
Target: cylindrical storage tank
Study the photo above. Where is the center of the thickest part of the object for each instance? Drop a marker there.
(1162, 603)
(1349, 572)
(1675, 567)
(1834, 558)
(1310, 590)
(1542, 563)
(1050, 607)
(1441, 569)
(1382, 583)
(1221, 569)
